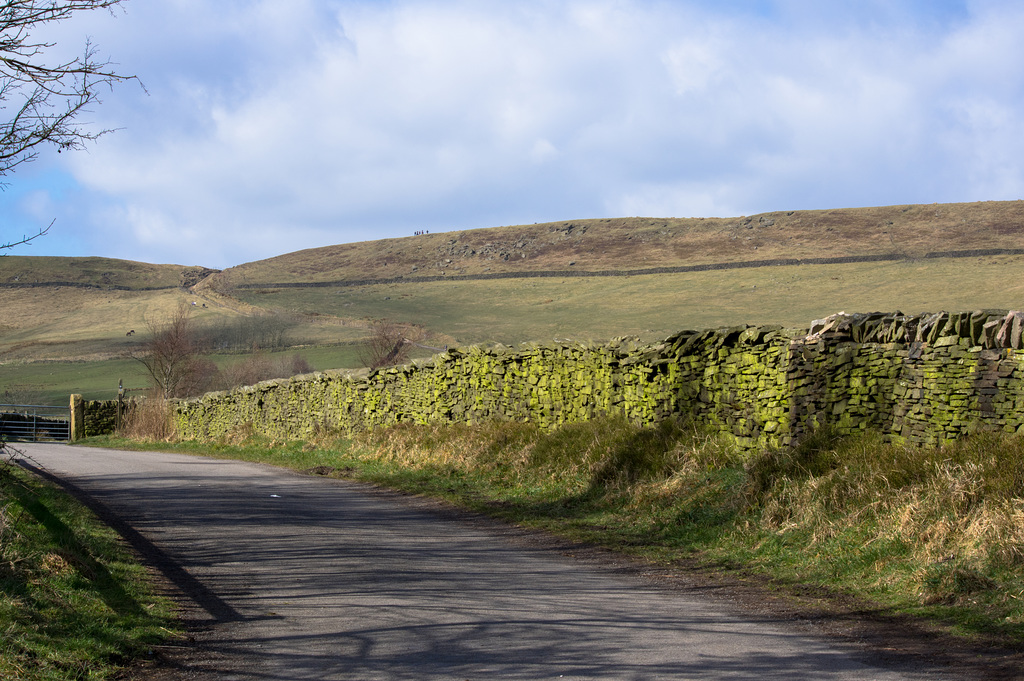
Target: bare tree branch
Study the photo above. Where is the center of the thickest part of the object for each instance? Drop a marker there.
(48, 97)
(389, 343)
(45, 98)
(25, 239)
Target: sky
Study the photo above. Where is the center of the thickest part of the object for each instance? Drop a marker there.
(270, 126)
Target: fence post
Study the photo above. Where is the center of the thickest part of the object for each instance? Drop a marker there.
(120, 406)
(77, 418)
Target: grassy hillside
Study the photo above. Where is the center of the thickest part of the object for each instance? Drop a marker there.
(101, 273)
(87, 324)
(81, 308)
(429, 279)
(64, 325)
(633, 243)
(654, 306)
(67, 311)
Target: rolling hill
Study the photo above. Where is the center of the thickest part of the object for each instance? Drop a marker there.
(579, 279)
(649, 277)
(624, 244)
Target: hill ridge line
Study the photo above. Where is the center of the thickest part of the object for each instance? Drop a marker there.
(706, 267)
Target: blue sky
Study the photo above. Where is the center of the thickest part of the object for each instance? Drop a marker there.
(269, 126)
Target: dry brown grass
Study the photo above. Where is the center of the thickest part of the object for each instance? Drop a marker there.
(631, 243)
(149, 419)
(101, 272)
(608, 452)
(460, 446)
(956, 510)
(949, 516)
(5, 535)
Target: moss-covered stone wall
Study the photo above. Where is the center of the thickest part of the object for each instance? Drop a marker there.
(923, 378)
(100, 417)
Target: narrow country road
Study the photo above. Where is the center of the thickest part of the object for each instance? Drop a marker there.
(300, 577)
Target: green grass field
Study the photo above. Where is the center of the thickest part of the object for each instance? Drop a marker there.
(52, 383)
(656, 306)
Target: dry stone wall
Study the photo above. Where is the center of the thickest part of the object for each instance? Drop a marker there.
(99, 417)
(922, 378)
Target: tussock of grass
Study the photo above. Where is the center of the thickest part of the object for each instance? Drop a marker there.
(924, 525)
(149, 419)
(964, 499)
(603, 453)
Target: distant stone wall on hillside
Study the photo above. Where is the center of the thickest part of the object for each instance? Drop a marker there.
(922, 378)
(676, 269)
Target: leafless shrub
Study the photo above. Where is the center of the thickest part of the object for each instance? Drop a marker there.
(260, 367)
(388, 344)
(41, 93)
(149, 419)
(250, 333)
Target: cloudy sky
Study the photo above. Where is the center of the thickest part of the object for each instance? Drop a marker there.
(267, 126)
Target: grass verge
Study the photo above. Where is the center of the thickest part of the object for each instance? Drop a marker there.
(74, 604)
(934, 532)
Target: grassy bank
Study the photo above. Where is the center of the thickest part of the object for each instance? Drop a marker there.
(934, 532)
(73, 602)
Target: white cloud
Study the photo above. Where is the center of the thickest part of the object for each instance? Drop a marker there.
(274, 126)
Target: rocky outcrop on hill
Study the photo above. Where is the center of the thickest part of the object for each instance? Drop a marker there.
(190, 276)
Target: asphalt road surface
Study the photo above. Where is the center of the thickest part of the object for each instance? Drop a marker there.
(303, 577)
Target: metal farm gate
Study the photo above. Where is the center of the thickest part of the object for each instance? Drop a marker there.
(34, 423)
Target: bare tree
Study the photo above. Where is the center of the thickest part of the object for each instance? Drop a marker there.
(45, 96)
(386, 345)
(260, 367)
(171, 355)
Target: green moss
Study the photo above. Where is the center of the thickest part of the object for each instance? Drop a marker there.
(757, 387)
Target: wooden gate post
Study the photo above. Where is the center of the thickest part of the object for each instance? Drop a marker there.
(77, 418)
